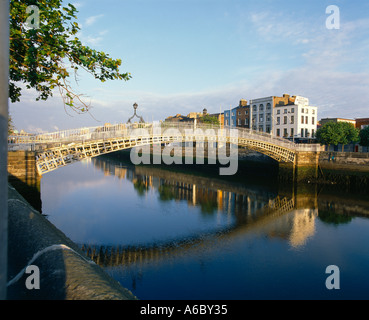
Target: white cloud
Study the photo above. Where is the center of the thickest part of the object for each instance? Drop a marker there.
(91, 20)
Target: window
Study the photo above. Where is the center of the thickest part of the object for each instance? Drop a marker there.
(227, 122)
(285, 120)
(278, 132)
(292, 132)
(278, 111)
(254, 108)
(313, 133)
(268, 117)
(285, 111)
(246, 112)
(239, 122)
(312, 120)
(278, 120)
(302, 110)
(268, 129)
(306, 133)
(261, 118)
(239, 113)
(268, 106)
(292, 110)
(246, 122)
(302, 133)
(261, 107)
(313, 111)
(261, 128)
(285, 133)
(302, 119)
(307, 120)
(292, 119)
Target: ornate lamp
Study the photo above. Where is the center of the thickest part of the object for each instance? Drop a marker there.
(135, 106)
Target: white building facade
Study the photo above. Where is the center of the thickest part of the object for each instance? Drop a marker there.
(295, 121)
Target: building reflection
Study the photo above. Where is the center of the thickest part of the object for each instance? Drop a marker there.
(288, 216)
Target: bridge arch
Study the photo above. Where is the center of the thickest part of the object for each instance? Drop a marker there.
(58, 149)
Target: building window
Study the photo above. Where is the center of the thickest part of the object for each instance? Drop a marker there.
(239, 122)
(285, 120)
(302, 119)
(302, 110)
(313, 133)
(268, 129)
(302, 133)
(285, 111)
(313, 111)
(268, 106)
(268, 117)
(278, 111)
(227, 122)
(261, 128)
(285, 133)
(254, 108)
(246, 122)
(312, 120)
(278, 132)
(292, 132)
(292, 110)
(292, 119)
(261, 107)
(261, 118)
(306, 133)
(306, 120)
(278, 120)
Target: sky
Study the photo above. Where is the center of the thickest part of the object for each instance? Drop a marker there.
(187, 55)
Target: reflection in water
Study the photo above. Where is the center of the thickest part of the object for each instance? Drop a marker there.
(248, 209)
(162, 233)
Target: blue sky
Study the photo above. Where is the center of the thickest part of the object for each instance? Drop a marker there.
(186, 55)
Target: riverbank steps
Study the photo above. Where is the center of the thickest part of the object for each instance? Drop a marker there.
(43, 264)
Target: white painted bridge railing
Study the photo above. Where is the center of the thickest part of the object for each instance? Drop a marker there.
(86, 134)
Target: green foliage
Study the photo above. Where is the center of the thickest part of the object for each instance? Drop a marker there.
(329, 134)
(364, 137)
(330, 217)
(334, 133)
(39, 57)
(209, 119)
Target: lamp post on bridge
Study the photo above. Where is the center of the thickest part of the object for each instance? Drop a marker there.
(135, 106)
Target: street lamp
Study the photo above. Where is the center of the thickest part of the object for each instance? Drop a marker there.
(135, 106)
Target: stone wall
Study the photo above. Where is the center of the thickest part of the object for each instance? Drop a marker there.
(23, 175)
(343, 158)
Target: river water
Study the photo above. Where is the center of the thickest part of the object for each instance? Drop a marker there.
(183, 233)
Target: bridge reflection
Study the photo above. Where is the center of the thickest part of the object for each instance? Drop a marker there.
(247, 210)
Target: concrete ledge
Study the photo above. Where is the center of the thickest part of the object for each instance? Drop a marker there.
(65, 272)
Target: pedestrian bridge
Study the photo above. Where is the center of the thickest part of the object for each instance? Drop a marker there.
(58, 149)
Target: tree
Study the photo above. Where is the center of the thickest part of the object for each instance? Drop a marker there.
(329, 134)
(40, 55)
(335, 133)
(364, 137)
(350, 134)
(209, 119)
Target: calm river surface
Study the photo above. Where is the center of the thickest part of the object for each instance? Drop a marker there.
(179, 235)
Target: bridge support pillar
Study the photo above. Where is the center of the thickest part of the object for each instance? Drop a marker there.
(306, 166)
(24, 177)
(304, 169)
